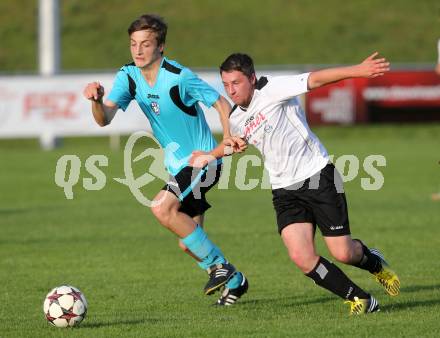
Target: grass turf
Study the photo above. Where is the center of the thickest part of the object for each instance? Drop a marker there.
(138, 283)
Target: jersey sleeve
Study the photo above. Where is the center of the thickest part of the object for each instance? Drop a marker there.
(120, 93)
(192, 89)
(283, 88)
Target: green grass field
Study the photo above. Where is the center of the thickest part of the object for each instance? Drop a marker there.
(138, 283)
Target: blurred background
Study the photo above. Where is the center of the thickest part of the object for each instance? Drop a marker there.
(52, 48)
(282, 32)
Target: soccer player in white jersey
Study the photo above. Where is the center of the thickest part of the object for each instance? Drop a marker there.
(307, 190)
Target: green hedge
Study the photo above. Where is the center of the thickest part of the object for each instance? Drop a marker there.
(202, 33)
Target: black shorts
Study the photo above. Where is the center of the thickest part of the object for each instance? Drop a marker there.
(319, 200)
(190, 186)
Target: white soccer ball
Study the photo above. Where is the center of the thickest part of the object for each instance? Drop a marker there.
(65, 306)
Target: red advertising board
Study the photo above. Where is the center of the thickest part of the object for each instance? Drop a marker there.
(397, 96)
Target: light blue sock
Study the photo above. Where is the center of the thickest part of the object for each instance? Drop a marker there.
(235, 281)
(200, 245)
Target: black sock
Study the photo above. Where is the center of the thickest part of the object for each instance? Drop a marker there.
(330, 277)
(369, 261)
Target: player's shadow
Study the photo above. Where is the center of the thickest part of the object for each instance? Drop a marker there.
(287, 301)
(409, 305)
(12, 211)
(121, 322)
(320, 300)
(295, 301)
(416, 288)
(24, 210)
(404, 305)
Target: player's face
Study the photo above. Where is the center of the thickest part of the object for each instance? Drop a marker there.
(144, 48)
(239, 87)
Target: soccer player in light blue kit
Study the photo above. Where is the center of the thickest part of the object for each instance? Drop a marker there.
(168, 94)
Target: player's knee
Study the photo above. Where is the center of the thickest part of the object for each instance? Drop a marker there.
(305, 262)
(343, 255)
(162, 214)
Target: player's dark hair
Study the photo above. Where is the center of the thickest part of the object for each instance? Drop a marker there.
(240, 62)
(150, 22)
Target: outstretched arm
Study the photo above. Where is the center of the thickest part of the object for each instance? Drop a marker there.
(369, 68)
(102, 112)
(228, 146)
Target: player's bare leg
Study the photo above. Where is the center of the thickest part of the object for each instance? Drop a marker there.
(344, 249)
(354, 252)
(166, 209)
(299, 241)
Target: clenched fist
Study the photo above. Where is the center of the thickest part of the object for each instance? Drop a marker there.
(94, 91)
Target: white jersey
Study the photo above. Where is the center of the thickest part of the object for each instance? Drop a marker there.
(276, 125)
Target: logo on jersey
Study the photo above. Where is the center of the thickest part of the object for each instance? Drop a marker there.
(155, 108)
(153, 96)
(252, 124)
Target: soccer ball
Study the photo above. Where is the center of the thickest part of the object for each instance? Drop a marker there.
(65, 306)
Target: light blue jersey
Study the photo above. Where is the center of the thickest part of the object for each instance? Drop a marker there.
(172, 108)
